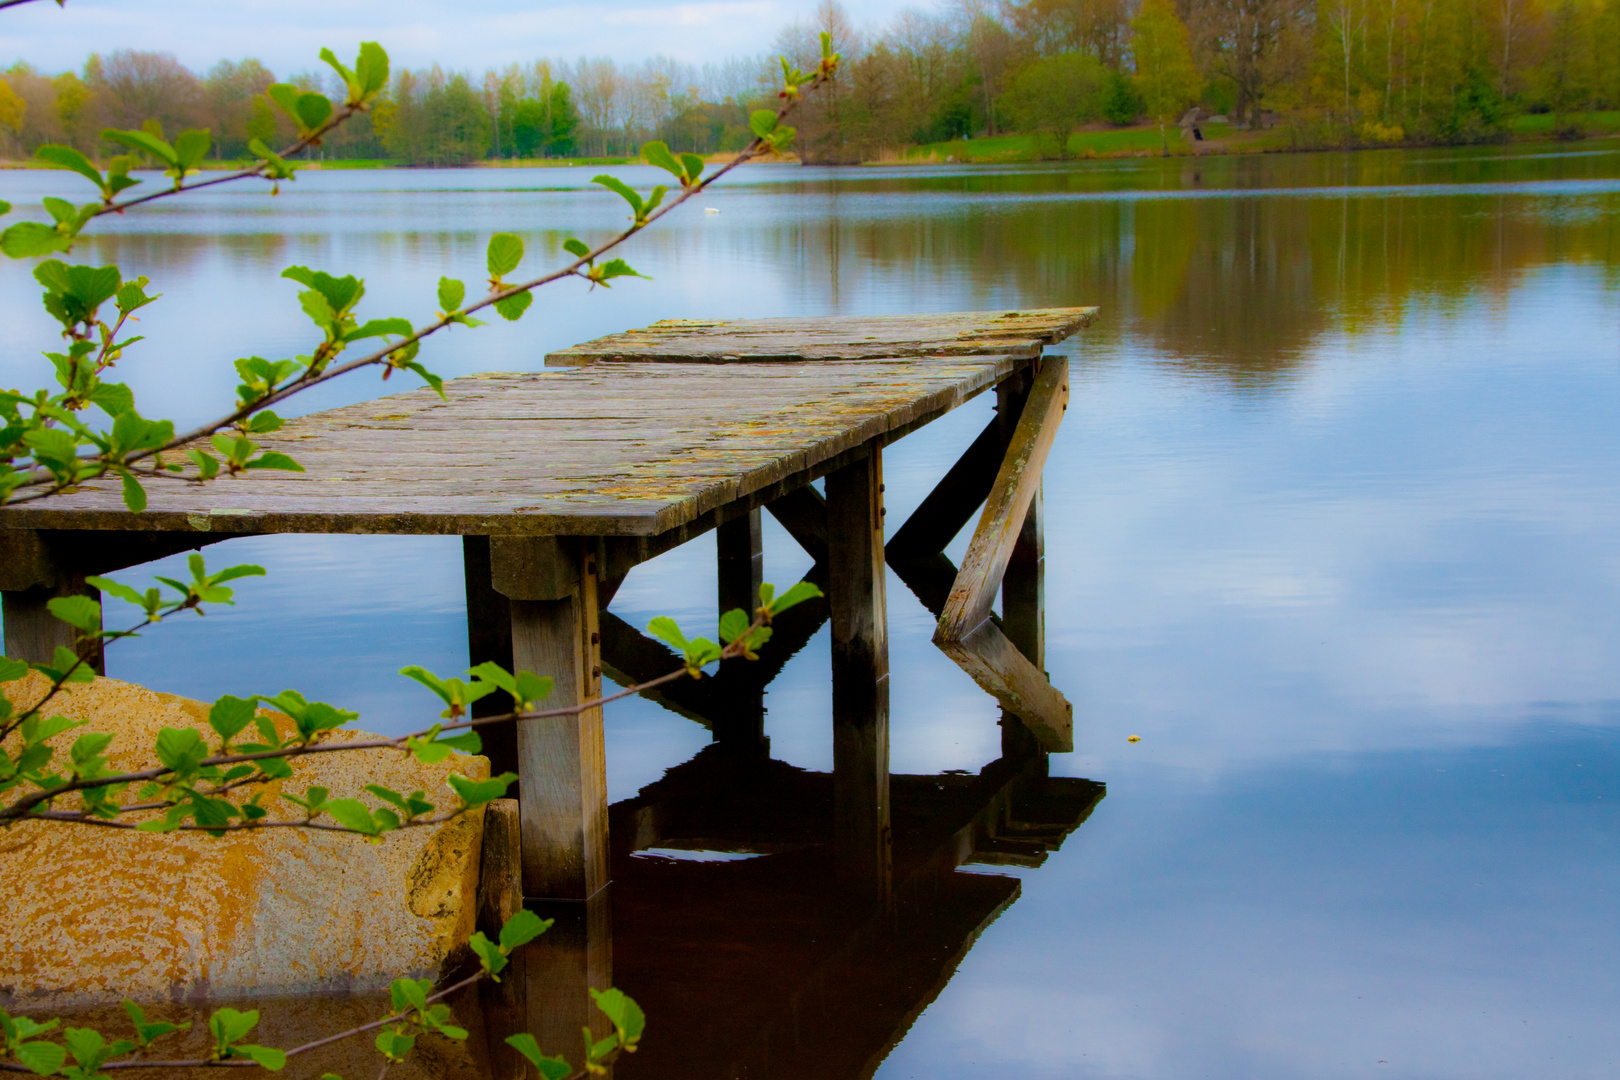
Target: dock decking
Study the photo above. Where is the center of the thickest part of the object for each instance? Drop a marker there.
(562, 480)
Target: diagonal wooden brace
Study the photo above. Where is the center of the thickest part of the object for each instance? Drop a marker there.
(966, 631)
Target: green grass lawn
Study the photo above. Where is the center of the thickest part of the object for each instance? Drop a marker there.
(1536, 125)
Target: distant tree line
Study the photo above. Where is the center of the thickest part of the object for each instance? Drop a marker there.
(1337, 72)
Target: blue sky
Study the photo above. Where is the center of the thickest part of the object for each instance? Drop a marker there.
(287, 34)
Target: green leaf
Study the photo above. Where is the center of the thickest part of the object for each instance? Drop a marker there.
(43, 1058)
(341, 293)
(428, 377)
(143, 141)
(511, 308)
(146, 1031)
(475, 793)
(762, 122)
(625, 192)
(108, 585)
(113, 398)
(523, 927)
(733, 625)
(371, 69)
(667, 630)
(229, 716)
(353, 814)
(27, 239)
(451, 294)
(410, 993)
(265, 422)
(134, 494)
(80, 612)
(229, 1026)
(265, 1056)
(489, 954)
(11, 670)
(617, 268)
(576, 247)
(394, 1045)
(273, 461)
(504, 254)
(694, 167)
(190, 147)
(797, 594)
(313, 110)
(380, 328)
(343, 73)
(626, 1015)
(60, 209)
(549, 1068)
(90, 1048)
(657, 153)
(181, 749)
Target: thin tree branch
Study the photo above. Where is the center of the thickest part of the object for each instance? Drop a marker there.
(42, 478)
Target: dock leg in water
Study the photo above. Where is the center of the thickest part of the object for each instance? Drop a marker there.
(1023, 617)
(32, 574)
(562, 782)
(739, 722)
(860, 663)
(489, 637)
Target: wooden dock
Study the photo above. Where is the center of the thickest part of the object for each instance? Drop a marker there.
(561, 481)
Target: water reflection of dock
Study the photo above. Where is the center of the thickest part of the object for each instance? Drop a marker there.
(769, 966)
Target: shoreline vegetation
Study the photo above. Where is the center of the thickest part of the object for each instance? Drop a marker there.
(1097, 144)
(1022, 81)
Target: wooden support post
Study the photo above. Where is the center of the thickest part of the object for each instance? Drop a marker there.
(34, 572)
(966, 630)
(739, 719)
(561, 967)
(1023, 616)
(489, 637)
(562, 782)
(1003, 519)
(860, 662)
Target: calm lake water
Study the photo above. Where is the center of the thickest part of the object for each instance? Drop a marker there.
(1333, 525)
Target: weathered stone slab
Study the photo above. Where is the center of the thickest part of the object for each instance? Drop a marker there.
(96, 914)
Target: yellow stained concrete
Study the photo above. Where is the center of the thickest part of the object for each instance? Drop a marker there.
(95, 914)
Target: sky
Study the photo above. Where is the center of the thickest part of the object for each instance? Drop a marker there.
(287, 35)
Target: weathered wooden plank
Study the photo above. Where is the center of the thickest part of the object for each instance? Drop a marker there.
(860, 670)
(1021, 688)
(681, 441)
(1023, 333)
(1003, 518)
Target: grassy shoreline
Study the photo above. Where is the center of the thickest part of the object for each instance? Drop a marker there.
(1130, 142)
(1219, 139)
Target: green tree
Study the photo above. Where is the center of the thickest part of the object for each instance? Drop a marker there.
(1120, 104)
(438, 120)
(1055, 95)
(1166, 76)
(564, 119)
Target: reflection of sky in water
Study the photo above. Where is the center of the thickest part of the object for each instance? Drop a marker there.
(1362, 610)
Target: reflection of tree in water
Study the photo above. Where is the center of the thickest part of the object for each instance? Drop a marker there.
(1235, 287)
